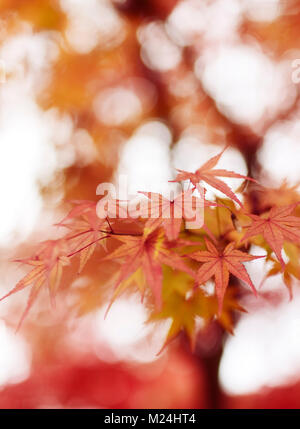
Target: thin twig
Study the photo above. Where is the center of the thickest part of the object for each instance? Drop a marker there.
(121, 233)
(110, 227)
(85, 247)
(79, 234)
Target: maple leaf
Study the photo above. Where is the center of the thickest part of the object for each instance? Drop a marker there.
(276, 226)
(108, 206)
(207, 174)
(219, 264)
(291, 269)
(170, 213)
(81, 207)
(87, 228)
(135, 280)
(148, 251)
(184, 305)
(48, 264)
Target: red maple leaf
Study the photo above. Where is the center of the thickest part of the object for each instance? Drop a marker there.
(170, 213)
(148, 251)
(83, 220)
(207, 174)
(276, 226)
(219, 264)
(80, 207)
(48, 265)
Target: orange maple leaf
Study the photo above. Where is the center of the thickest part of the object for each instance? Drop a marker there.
(48, 265)
(276, 226)
(148, 251)
(81, 207)
(83, 220)
(219, 264)
(207, 174)
(170, 213)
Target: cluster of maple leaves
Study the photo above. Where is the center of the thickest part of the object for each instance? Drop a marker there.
(170, 264)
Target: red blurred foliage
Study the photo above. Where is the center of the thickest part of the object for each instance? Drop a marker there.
(180, 383)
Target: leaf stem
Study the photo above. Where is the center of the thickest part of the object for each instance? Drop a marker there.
(85, 247)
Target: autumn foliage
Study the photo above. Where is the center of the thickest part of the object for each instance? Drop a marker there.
(107, 74)
(149, 246)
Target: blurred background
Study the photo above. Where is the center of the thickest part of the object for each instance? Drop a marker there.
(96, 88)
